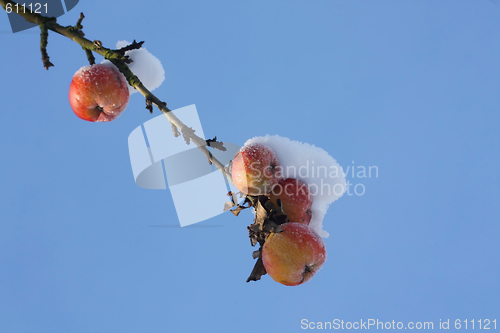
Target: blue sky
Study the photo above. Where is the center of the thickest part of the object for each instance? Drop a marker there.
(408, 86)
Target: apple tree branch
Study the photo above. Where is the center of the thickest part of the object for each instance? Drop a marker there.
(118, 58)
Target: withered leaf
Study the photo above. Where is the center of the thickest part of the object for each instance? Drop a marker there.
(272, 227)
(233, 197)
(258, 271)
(238, 210)
(256, 254)
(228, 205)
(255, 227)
(260, 213)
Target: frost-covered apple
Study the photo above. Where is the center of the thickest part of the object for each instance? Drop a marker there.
(255, 169)
(324, 176)
(296, 200)
(98, 93)
(293, 256)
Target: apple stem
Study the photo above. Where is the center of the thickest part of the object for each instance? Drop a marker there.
(90, 56)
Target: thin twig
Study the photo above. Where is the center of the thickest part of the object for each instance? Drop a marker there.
(130, 47)
(44, 35)
(79, 25)
(90, 56)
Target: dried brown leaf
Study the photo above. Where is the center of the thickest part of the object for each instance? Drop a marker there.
(228, 205)
(258, 271)
(238, 210)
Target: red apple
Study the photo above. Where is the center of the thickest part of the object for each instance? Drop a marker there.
(98, 93)
(255, 169)
(293, 256)
(296, 200)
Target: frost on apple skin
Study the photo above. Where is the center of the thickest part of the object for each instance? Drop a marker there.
(254, 169)
(294, 198)
(101, 107)
(293, 256)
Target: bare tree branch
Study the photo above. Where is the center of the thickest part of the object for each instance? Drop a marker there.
(118, 58)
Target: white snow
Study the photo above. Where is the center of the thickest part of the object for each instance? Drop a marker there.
(312, 165)
(145, 66)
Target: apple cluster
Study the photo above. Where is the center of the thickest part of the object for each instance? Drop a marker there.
(98, 93)
(291, 251)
